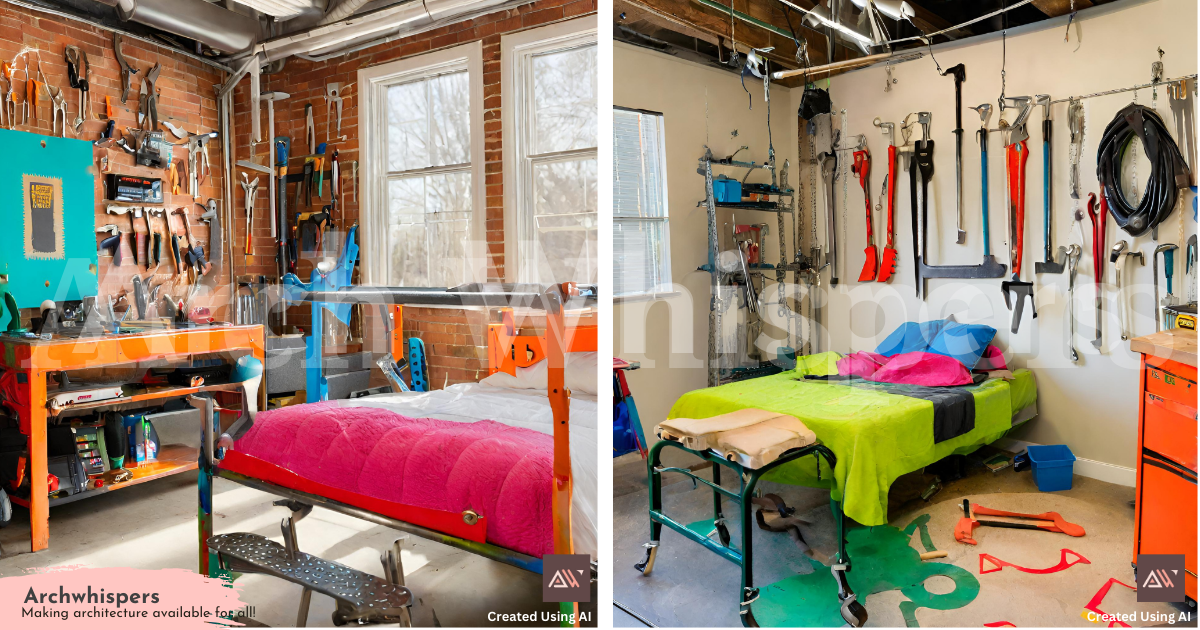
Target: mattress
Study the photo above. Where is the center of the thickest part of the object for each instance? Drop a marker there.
(877, 435)
(524, 408)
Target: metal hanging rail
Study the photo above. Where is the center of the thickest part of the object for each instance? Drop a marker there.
(1163, 83)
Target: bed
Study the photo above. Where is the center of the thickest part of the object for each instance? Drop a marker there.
(413, 461)
(877, 435)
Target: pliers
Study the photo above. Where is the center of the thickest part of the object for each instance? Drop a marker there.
(59, 106)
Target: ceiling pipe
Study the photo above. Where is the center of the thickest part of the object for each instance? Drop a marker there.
(342, 10)
(210, 24)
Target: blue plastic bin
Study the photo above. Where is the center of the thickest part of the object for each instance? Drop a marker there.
(726, 190)
(1053, 466)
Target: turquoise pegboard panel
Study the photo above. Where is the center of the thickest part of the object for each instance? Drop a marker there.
(47, 230)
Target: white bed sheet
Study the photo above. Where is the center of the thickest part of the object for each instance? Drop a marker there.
(527, 408)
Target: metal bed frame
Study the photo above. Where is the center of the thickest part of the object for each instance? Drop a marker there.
(851, 609)
(328, 290)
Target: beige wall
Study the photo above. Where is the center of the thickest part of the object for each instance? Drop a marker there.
(1092, 406)
(701, 105)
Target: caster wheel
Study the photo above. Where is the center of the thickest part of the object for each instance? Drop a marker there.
(723, 534)
(5, 509)
(647, 563)
(855, 614)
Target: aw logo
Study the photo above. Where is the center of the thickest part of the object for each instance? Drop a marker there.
(1160, 578)
(566, 578)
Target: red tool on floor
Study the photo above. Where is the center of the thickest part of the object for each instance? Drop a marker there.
(977, 515)
(1099, 236)
(998, 565)
(862, 169)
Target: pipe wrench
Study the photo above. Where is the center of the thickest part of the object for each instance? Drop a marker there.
(1099, 223)
(1016, 157)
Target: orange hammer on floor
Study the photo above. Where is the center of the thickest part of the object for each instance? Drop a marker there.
(974, 516)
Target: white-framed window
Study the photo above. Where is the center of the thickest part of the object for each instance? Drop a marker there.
(641, 233)
(421, 124)
(549, 116)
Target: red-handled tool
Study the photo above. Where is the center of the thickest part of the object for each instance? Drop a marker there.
(976, 515)
(1016, 156)
(862, 169)
(887, 265)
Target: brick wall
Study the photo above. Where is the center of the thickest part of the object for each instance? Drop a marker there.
(455, 339)
(185, 98)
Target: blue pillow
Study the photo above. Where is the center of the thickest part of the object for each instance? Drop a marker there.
(965, 342)
(910, 337)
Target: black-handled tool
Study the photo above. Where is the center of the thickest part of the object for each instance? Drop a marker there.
(1051, 264)
(112, 243)
(960, 76)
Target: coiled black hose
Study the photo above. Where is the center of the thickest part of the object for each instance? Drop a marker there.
(1168, 171)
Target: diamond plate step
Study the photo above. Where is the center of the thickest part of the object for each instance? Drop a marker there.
(361, 597)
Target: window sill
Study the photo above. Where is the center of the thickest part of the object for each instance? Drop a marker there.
(645, 297)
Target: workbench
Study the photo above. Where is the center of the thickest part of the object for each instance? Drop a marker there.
(1165, 512)
(34, 359)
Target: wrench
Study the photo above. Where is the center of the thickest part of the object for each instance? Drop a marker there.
(1073, 253)
(1099, 222)
(828, 161)
(1119, 256)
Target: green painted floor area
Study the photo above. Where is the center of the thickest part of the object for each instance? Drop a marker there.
(882, 560)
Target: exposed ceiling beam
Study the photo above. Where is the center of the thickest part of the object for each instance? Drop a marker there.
(1055, 8)
(715, 25)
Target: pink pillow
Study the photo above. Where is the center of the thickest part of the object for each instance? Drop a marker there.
(991, 359)
(923, 368)
(862, 364)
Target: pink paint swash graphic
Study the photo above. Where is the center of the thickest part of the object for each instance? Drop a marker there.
(117, 598)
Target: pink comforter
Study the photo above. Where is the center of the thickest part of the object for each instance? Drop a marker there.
(500, 472)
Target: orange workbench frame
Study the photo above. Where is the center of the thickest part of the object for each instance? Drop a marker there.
(34, 359)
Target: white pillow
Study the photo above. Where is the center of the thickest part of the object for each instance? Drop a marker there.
(580, 376)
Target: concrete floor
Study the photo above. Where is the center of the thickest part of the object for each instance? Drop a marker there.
(153, 525)
(693, 587)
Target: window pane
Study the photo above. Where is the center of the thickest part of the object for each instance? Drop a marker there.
(429, 122)
(641, 257)
(564, 100)
(408, 126)
(429, 222)
(450, 104)
(637, 173)
(639, 250)
(565, 220)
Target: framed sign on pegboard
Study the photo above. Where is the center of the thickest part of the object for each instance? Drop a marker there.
(48, 240)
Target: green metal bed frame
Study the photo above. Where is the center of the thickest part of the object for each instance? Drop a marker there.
(851, 609)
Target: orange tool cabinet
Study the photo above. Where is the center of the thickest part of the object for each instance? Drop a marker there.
(33, 359)
(1165, 521)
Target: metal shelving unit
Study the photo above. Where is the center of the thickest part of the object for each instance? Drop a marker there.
(784, 203)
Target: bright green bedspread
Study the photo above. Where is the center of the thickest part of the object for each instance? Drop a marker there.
(876, 436)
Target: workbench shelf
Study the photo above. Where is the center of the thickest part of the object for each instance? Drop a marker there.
(152, 393)
(761, 206)
(172, 460)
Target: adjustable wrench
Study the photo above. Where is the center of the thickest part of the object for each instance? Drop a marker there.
(1073, 254)
(1119, 256)
(828, 162)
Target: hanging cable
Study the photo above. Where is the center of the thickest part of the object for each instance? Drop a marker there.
(1169, 172)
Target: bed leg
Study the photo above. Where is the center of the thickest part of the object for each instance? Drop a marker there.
(393, 572)
(654, 481)
(853, 612)
(292, 545)
(302, 614)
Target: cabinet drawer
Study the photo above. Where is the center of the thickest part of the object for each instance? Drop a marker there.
(1167, 430)
(1167, 509)
(1171, 386)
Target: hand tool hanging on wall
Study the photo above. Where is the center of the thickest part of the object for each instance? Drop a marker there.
(177, 131)
(960, 76)
(79, 73)
(58, 105)
(139, 297)
(1099, 246)
(139, 239)
(251, 190)
(1120, 256)
(921, 160)
(283, 146)
(1074, 252)
(195, 255)
(1183, 112)
(127, 70)
(1016, 156)
(148, 240)
(1168, 254)
(828, 163)
(213, 218)
(113, 243)
(32, 100)
(127, 211)
(862, 169)
(354, 180)
(1051, 264)
(157, 238)
(272, 200)
(333, 107)
(887, 265)
(1169, 174)
(310, 132)
(319, 166)
(8, 113)
(148, 100)
(1075, 124)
